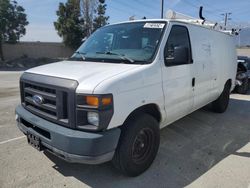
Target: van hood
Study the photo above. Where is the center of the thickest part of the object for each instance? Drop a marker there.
(88, 74)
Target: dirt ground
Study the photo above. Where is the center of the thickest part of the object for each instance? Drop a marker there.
(203, 149)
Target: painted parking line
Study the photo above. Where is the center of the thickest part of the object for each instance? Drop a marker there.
(1, 126)
(13, 139)
(4, 126)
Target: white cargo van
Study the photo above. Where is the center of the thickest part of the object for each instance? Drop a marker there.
(126, 82)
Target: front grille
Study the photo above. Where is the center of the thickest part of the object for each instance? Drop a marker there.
(57, 100)
(54, 105)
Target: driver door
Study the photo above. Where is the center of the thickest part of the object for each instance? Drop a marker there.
(178, 79)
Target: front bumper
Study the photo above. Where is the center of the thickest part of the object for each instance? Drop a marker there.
(71, 145)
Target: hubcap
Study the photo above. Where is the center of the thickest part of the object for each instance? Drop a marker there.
(142, 145)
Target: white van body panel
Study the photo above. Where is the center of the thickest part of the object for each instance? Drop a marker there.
(88, 74)
(169, 88)
(134, 89)
(214, 58)
(212, 53)
(177, 87)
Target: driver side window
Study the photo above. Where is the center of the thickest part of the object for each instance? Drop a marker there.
(178, 49)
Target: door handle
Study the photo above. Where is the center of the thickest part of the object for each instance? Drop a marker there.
(193, 82)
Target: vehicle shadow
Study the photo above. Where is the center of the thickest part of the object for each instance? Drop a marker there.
(189, 148)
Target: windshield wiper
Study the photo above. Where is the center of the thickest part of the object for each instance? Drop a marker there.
(122, 56)
(81, 54)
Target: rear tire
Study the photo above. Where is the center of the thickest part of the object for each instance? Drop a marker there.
(243, 88)
(138, 145)
(220, 105)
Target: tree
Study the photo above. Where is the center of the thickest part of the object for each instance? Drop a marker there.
(77, 19)
(88, 8)
(100, 20)
(12, 23)
(69, 24)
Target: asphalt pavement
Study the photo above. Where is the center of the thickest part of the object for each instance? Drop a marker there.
(203, 149)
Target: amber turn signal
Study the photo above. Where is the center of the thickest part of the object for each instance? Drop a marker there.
(95, 101)
(106, 101)
(92, 100)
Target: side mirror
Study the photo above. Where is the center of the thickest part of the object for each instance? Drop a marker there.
(177, 56)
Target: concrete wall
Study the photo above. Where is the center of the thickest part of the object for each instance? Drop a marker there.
(36, 50)
(243, 51)
(54, 50)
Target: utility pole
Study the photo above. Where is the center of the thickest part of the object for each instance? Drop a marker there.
(226, 18)
(162, 8)
(239, 40)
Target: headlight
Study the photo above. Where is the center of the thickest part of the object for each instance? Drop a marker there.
(94, 112)
(93, 118)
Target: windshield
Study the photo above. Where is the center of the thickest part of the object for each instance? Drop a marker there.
(134, 43)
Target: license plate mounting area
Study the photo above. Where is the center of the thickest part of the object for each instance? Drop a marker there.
(34, 141)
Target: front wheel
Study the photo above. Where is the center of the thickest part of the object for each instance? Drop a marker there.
(138, 145)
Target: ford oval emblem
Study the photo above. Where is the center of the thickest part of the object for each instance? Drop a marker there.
(37, 99)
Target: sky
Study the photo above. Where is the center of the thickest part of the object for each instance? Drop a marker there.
(42, 13)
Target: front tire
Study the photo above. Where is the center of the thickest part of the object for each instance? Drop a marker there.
(220, 105)
(138, 145)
